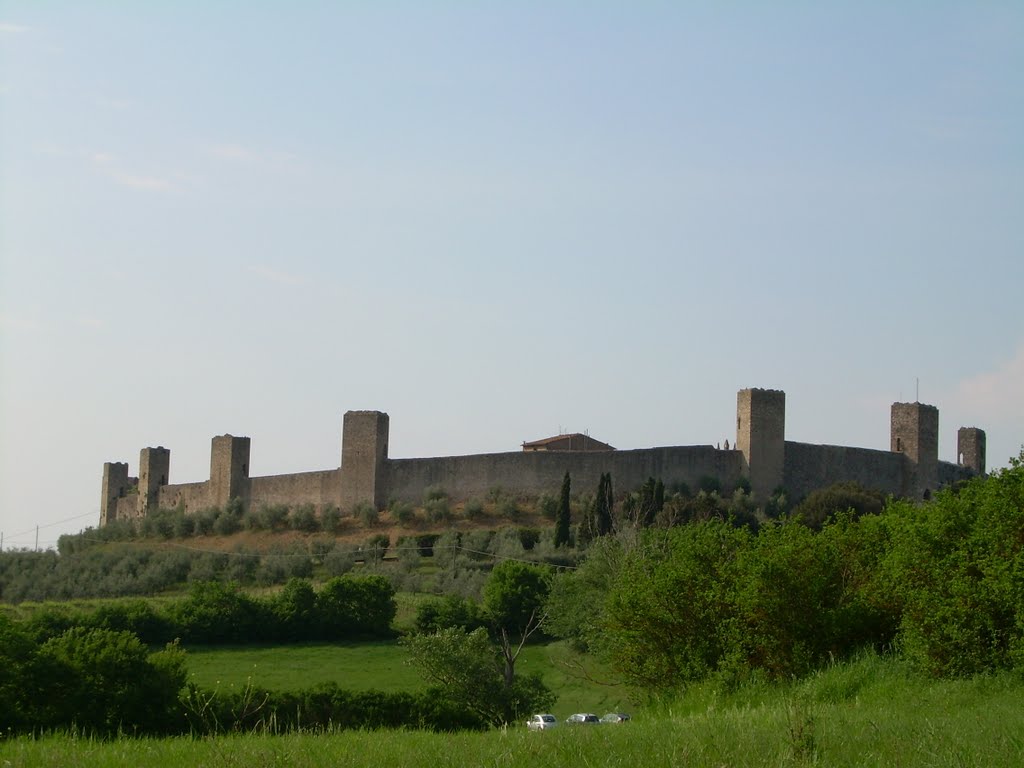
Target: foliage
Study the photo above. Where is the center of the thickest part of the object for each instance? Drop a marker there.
(366, 513)
(105, 682)
(473, 509)
(955, 569)
(547, 506)
(563, 517)
(467, 668)
(820, 505)
(447, 612)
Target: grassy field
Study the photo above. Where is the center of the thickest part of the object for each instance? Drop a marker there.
(381, 666)
(868, 713)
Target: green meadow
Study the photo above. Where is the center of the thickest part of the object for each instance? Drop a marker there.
(870, 712)
(581, 685)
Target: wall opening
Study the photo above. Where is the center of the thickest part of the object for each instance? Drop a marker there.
(899, 445)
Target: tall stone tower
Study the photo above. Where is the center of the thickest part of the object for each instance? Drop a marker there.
(154, 469)
(229, 469)
(914, 432)
(970, 448)
(115, 484)
(364, 450)
(761, 438)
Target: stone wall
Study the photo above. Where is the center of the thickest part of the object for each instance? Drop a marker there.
(321, 489)
(809, 467)
(191, 496)
(465, 477)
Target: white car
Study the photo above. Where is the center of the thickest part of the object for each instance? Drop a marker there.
(541, 722)
(582, 718)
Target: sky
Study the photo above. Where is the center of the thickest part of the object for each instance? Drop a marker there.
(496, 222)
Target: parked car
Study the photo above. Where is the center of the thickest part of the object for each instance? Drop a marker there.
(581, 718)
(615, 717)
(541, 722)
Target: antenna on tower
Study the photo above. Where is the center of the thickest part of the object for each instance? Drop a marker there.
(917, 389)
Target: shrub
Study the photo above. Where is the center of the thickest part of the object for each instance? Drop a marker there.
(226, 523)
(304, 519)
(366, 513)
(438, 510)
(473, 509)
(402, 512)
(105, 682)
(320, 547)
(509, 509)
(339, 562)
(205, 521)
(330, 519)
(433, 493)
(547, 505)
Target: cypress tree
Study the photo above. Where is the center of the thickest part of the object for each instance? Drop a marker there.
(602, 506)
(562, 520)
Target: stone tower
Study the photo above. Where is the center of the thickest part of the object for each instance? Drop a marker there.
(115, 484)
(914, 432)
(364, 449)
(229, 470)
(761, 438)
(154, 469)
(970, 448)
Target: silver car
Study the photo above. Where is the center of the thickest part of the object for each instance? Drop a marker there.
(582, 718)
(541, 722)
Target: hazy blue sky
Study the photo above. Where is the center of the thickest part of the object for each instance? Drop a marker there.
(496, 221)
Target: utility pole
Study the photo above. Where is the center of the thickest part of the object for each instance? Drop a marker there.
(37, 538)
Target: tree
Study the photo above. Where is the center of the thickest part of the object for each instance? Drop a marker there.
(601, 510)
(514, 598)
(468, 669)
(562, 518)
(105, 682)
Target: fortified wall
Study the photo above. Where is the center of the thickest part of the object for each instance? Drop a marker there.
(761, 454)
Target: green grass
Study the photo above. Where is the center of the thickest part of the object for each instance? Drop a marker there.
(381, 666)
(358, 666)
(867, 713)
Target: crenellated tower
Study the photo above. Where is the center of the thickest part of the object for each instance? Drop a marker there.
(229, 470)
(914, 432)
(154, 471)
(970, 449)
(761, 438)
(364, 451)
(115, 485)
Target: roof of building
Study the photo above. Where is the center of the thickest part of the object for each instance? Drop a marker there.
(570, 436)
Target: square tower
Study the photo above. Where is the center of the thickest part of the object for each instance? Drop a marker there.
(115, 485)
(761, 438)
(970, 449)
(914, 432)
(154, 470)
(364, 451)
(229, 469)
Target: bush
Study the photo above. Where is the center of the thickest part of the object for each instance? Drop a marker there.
(434, 493)
(473, 509)
(509, 509)
(304, 519)
(330, 519)
(440, 613)
(366, 513)
(105, 682)
(339, 562)
(547, 505)
(227, 523)
(438, 510)
(402, 512)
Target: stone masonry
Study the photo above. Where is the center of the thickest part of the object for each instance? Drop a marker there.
(761, 455)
